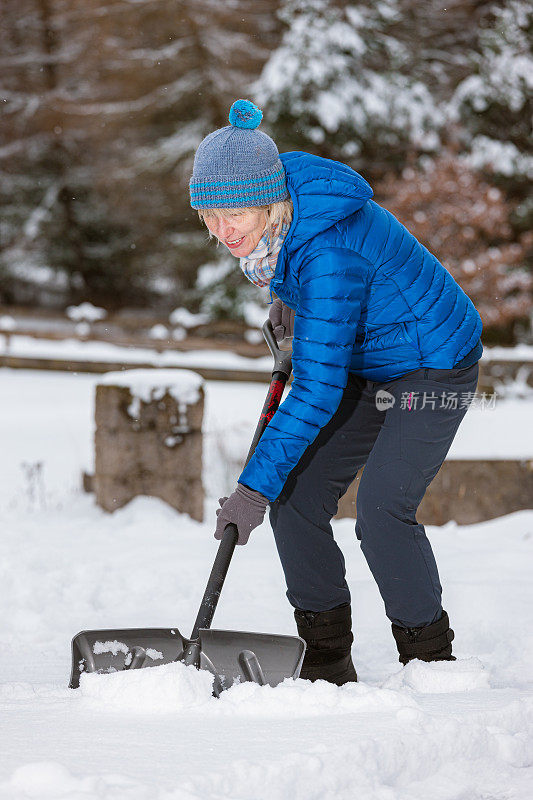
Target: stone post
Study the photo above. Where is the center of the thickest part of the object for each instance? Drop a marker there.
(148, 438)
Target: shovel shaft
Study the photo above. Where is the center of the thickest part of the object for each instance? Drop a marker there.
(216, 580)
(273, 399)
(280, 375)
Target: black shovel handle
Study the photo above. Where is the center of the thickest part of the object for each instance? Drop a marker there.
(280, 374)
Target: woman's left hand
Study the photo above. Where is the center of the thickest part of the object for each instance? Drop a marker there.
(282, 319)
(245, 508)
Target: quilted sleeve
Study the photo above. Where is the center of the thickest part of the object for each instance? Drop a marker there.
(332, 284)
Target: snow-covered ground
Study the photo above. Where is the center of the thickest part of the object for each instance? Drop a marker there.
(451, 731)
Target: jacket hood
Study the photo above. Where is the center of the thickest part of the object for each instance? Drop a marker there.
(323, 192)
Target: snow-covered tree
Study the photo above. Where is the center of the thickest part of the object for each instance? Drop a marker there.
(341, 80)
(495, 101)
(371, 82)
(103, 106)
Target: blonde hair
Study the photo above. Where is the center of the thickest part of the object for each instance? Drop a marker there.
(277, 214)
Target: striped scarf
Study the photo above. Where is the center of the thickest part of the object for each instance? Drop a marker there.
(260, 265)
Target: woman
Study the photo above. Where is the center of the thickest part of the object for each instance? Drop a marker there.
(385, 354)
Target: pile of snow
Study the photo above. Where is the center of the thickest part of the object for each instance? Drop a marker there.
(441, 677)
(303, 699)
(179, 334)
(86, 312)
(175, 688)
(159, 332)
(169, 688)
(7, 324)
(146, 385)
(186, 319)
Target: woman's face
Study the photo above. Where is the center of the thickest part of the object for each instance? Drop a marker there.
(240, 231)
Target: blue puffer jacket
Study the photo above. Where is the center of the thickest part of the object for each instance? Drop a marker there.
(369, 299)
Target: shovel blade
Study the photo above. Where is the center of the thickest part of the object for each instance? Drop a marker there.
(120, 649)
(231, 656)
(237, 656)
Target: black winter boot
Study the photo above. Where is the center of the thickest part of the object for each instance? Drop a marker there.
(430, 643)
(328, 635)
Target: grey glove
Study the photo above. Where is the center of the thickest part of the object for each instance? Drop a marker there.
(245, 508)
(282, 319)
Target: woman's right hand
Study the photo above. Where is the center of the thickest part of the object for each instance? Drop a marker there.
(282, 319)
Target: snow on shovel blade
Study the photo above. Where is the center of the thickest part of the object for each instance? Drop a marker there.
(129, 648)
(231, 656)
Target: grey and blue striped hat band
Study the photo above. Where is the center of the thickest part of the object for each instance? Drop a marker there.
(238, 166)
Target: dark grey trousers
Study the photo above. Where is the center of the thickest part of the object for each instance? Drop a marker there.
(401, 437)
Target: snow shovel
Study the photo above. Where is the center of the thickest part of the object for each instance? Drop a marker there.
(231, 656)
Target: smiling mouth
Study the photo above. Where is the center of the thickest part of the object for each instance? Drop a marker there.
(235, 242)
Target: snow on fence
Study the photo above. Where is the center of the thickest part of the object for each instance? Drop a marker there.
(504, 370)
(148, 439)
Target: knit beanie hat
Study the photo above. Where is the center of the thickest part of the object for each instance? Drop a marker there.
(238, 166)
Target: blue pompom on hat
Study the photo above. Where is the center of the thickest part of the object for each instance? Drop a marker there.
(238, 166)
(244, 114)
